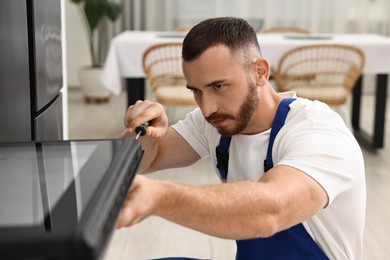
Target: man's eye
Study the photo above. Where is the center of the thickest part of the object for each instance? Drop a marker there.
(219, 86)
(193, 90)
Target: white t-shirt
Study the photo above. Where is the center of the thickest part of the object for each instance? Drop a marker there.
(315, 140)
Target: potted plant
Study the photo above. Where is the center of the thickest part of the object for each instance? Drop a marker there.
(93, 13)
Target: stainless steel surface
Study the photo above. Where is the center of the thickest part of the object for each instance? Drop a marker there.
(47, 49)
(48, 125)
(30, 68)
(15, 122)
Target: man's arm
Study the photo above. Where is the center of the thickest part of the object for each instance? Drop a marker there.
(172, 151)
(283, 197)
(164, 147)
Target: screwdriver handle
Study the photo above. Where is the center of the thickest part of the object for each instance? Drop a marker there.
(141, 129)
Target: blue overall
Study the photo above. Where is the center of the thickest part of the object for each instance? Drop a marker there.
(293, 243)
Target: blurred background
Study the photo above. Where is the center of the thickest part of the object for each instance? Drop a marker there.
(332, 16)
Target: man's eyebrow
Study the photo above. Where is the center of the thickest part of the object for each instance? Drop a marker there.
(212, 83)
(216, 82)
(190, 87)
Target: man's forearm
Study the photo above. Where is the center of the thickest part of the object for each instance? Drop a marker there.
(150, 153)
(213, 210)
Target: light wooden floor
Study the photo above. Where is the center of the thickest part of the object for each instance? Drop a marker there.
(157, 237)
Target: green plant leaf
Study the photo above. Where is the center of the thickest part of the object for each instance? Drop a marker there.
(113, 11)
(95, 1)
(94, 11)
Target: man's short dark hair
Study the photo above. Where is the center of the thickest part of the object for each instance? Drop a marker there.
(235, 33)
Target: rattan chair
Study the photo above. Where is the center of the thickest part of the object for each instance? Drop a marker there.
(324, 72)
(163, 70)
(184, 28)
(285, 30)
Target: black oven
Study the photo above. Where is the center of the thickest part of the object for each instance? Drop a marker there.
(61, 199)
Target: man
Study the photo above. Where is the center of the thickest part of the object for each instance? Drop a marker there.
(310, 204)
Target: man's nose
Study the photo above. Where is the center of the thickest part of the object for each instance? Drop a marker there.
(209, 105)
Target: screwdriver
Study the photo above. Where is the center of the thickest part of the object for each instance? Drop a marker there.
(141, 130)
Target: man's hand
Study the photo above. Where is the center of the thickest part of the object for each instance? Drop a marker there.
(146, 111)
(139, 204)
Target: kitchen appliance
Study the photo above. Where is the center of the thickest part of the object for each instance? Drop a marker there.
(30, 70)
(61, 199)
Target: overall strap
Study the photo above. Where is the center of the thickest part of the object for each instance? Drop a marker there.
(277, 124)
(222, 152)
(222, 149)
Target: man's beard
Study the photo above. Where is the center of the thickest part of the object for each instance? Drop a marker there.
(244, 114)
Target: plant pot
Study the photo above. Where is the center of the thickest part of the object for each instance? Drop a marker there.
(91, 86)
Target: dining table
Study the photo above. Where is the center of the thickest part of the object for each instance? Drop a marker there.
(123, 67)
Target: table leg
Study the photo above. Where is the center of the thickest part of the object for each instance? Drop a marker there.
(377, 140)
(135, 90)
(380, 110)
(356, 103)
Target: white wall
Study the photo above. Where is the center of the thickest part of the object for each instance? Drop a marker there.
(76, 42)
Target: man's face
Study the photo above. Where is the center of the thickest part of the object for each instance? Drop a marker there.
(242, 115)
(223, 90)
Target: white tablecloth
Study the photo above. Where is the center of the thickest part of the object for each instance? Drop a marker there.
(124, 59)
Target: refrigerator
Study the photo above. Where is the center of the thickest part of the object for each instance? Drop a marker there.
(30, 70)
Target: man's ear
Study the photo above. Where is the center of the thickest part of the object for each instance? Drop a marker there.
(262, 71)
